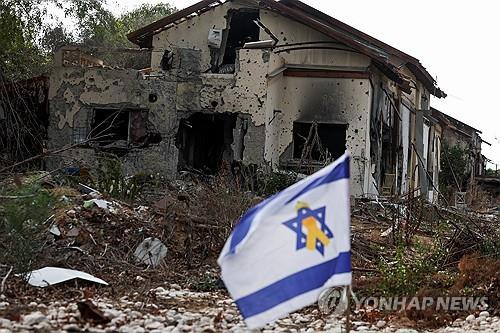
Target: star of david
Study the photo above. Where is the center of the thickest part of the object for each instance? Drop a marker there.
(307, 220)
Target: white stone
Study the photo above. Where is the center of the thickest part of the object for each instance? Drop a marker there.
(34, 318)
(470, 318)
(381, 323)
(155, 325)
(5, 323)
(111, 313)
(484, 314)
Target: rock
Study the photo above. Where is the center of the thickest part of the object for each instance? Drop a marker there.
(111, 313)
(484, 314)
(470, 318)
(151, 252)
(362, 328)
(44, 326)
(155, 325)
(71, 328)
(175, 286)
(5, 323)
(381, 323)
(34, 318)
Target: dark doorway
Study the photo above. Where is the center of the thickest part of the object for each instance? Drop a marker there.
(332, 139)
(204, 141)
(242, 29)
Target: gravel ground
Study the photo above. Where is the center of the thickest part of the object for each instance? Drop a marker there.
(173, 309)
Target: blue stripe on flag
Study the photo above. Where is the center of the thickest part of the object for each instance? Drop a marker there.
(341, 171)
(293, 285)
(243, 226)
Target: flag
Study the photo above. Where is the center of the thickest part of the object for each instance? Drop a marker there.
(290, 247)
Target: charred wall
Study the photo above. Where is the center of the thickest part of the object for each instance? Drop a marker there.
(155, 123)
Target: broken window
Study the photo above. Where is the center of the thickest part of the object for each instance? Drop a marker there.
(204, 141)
(119, 128)
(242, 29)
(318, 141)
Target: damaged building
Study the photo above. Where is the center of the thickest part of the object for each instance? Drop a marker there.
(273, 83)
(457, 133)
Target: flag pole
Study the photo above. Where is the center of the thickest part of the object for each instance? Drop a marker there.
(348, 314)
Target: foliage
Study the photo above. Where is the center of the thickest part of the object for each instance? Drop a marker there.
(31, 32)
(110, 31)
(409, 270)
(111, 180)
(453, 168)
(22, 218)
(18, 48)
(491, 172)
(265, 182)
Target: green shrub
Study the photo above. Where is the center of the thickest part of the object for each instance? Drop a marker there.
(406, 274)
(23, 213)
(453, 169)
(265, 182)
(111, 180)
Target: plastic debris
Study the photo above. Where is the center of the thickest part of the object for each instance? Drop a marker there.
(48, 276)
(151, 251)
(54, 230)
(98, 202)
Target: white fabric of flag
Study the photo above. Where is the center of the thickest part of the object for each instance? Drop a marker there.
(289, 248)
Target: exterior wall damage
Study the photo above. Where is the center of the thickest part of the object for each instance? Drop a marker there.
(295, 103)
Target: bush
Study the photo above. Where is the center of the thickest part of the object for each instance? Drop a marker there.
(265, 182)
(406, 274)
(23, 212)
(453, 169)
(112, 181)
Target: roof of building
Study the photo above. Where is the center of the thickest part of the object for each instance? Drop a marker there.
(453, 122)
(298, 11)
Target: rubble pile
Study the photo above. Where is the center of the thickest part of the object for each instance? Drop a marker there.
(170, 308)
(157, 257)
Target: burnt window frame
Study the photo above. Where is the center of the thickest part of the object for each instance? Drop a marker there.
(296, 154)
(128, 111)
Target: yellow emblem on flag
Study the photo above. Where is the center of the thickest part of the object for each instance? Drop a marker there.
(310, 227)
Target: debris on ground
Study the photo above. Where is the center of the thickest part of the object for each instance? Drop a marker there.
(159, 253)
(49, 276)
(151, 251)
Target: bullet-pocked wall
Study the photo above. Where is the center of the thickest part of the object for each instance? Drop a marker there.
(143, 107)
(274, 103)
(330, 101)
